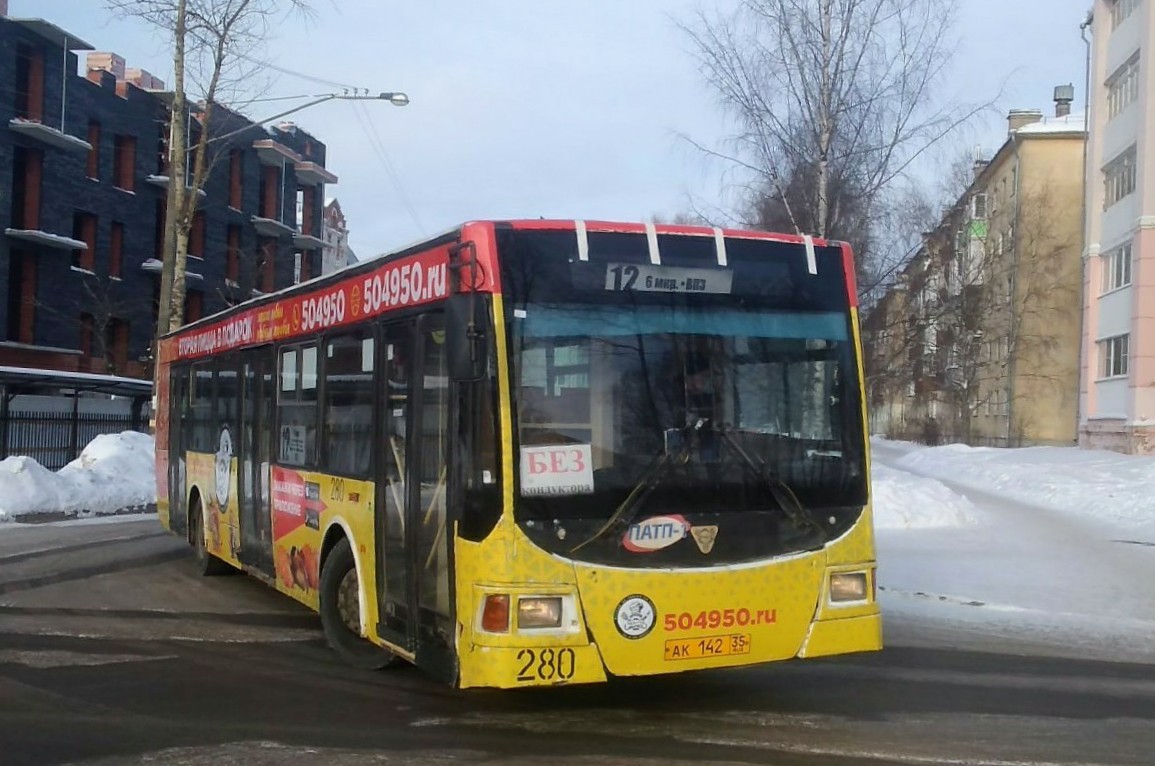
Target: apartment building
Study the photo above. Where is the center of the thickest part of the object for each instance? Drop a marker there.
(978, 338)
(84, 178)
(1117, 381)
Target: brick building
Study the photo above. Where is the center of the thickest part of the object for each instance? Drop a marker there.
(83, 181)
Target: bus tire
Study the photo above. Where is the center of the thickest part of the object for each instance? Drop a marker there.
(340, 619)
(206, 563)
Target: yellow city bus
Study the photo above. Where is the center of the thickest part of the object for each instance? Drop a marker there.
(530, 453)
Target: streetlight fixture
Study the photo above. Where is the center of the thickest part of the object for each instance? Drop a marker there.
(395, 98)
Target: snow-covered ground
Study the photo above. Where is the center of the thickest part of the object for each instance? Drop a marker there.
(114, 472)
(1042, 546)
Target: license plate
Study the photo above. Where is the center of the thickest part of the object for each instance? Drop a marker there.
(710, 646)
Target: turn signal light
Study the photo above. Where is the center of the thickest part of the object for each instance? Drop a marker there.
(495, 615)
(848, 586)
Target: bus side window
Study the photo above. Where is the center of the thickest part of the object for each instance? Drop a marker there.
(348, 413)
(297, 406)
(201, 405)
(478, 446)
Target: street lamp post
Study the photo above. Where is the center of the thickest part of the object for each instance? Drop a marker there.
(171, 277)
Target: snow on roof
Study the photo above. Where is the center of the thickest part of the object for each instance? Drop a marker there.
(1072, 123)
(64, 378)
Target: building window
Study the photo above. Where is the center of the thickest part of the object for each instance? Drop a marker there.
(21, 296)
(115, 249)
(233, 254)
(299, 211)
(92, 168)
(1123, 87)
(161, 210)
(1117, 268)
(29, 82)
(267, 264)
(196, 235)
(1121, 10)
(979, 206)
(1113, 356)
(116, 343)
(124, 162)
(270, 185)
(162, 149)
(236, 179)
(87, 324)
(303, 266)
(84, 230)
(1119, 177)
(194, 306)
(28, 166)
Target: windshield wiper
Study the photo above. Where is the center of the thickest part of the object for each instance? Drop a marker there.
(627, 511)
(783, 495)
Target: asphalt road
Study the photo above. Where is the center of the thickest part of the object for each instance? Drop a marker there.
(112, 651)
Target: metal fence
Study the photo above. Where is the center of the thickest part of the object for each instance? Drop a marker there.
(54, 439)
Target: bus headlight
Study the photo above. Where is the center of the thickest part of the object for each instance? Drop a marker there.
(539, 612)
(847, 586)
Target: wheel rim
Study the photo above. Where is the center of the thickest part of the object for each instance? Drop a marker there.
(348, 602)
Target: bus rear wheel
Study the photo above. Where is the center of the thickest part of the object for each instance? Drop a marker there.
(340, 608)
(207, 564)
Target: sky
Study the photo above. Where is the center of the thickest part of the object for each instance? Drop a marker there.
(538, 108)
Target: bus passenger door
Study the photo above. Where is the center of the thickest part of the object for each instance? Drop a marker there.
(393, 551)
(255, 453)
(177, 440)
(413, 531)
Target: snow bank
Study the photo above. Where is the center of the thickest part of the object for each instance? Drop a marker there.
(113, 472)
(904, 501)
(1095, 485)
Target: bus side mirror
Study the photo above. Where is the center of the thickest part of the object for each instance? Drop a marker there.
(466, 326)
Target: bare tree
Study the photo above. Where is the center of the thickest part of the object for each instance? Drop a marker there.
(212, 43)
(96, 311)
(834, 100)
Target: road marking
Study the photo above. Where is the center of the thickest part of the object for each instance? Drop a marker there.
(58, 658)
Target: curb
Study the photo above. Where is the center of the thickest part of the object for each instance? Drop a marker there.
(45, 517)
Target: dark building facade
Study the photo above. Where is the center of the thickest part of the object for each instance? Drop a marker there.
(83, 183)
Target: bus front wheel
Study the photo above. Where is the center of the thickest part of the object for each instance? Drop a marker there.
(340, 608)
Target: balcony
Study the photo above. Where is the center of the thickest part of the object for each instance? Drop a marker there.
(38, 131)
(47, 239)
(162, 181)
(269, 227)
(271, 152)
(155, 266)
(307, 242)
(312, 174)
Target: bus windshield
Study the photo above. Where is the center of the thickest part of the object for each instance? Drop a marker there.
(642, 414)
